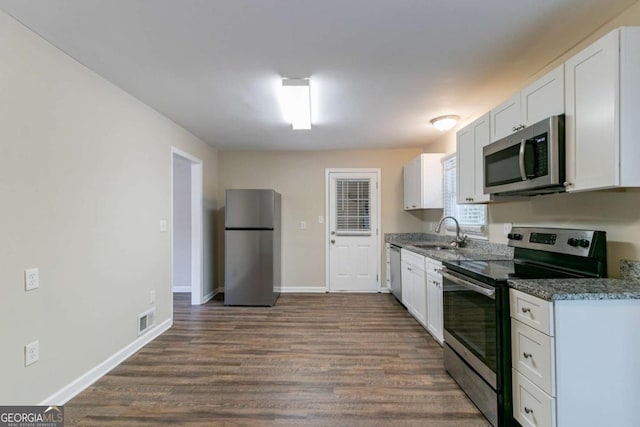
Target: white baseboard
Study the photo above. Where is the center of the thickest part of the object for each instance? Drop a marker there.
(208, 296)
(180, 288)
(69, 391)
(218, 291)
(303, 289)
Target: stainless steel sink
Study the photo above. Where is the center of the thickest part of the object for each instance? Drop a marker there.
(435, 246)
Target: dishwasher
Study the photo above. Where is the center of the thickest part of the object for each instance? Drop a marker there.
(396, 272)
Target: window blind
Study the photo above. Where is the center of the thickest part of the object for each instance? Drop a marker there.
(353, 214)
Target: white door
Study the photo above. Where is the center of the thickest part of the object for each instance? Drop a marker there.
(353, 231)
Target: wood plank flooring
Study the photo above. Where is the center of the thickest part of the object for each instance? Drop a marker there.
(313, 359)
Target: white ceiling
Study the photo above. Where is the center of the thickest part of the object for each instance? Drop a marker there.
(379, 69)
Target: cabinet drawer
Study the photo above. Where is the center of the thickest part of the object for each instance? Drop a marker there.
(532, 354)
(532, 407)
(412, 258)
(532, 311)
(433, 267)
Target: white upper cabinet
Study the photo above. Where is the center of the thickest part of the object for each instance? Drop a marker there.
(543, 98)
(423, 182)
(469, 172)
(603, 113)
(505, 118)
(539, 100)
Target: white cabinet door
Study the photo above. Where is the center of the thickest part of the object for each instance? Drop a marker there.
(423, 182)
(431, 181)
(482, 137)
(434, 308)
(543, 98)
(505, 118)
(603, 106)
(539, 100)
(591, 126)
(470, 168)
(420, 295)
(411, 176)
(387, 251)
(465, 165)
(407, 285)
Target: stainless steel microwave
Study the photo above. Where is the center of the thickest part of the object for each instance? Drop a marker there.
(530, 161)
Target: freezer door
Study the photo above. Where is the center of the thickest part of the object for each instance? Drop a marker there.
(249, 268)
(249, 209)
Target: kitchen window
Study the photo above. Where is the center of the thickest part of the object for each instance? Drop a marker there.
(472, 218)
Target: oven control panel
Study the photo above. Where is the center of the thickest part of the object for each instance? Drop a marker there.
(560, 240)
(543, 238)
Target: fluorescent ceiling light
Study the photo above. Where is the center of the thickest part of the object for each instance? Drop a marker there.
(296, 102)
(444, 123)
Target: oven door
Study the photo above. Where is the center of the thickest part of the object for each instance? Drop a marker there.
(471, 319)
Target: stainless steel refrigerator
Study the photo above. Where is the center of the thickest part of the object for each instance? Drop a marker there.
(252, 247)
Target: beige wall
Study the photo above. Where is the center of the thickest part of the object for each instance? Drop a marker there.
(617, 212)
(300, 177)
(85, 177)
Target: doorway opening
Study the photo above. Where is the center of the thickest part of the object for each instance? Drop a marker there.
(187, 225)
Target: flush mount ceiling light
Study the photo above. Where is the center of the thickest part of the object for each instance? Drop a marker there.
(296, 102)
(444, 123)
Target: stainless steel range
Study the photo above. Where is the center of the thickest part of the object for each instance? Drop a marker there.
(477, 330)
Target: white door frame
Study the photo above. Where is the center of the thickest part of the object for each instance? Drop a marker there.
(197, 238)
(327, 216)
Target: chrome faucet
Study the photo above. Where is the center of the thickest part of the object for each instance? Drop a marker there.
(459, 240)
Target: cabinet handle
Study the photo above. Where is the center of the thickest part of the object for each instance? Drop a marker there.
(528, 410)
(413, 206)
(409, 268)
(514, 129)
(526, 310)
(526, 355)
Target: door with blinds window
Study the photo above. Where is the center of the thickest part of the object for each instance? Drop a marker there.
(353, 232)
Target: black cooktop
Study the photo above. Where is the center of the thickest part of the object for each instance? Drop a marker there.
(498, 272)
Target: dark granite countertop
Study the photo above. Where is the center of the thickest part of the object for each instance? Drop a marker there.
(475, 250)
(579, 289)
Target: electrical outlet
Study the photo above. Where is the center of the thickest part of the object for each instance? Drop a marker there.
(31, 353)
(303, 225)
(507, 228)
(152, 297)
(320, 219)
(31, 279)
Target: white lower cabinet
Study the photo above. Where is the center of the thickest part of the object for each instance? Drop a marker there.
(414, 289)
(574, 362)
(434, 299)
(531, 406)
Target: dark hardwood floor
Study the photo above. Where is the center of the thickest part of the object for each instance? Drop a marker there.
(313, 359)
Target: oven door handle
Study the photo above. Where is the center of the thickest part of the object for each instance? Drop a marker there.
(488, 292)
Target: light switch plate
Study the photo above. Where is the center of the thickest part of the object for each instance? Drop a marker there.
(163, 225)
(303, 225)
(31, 353)
(31, 279)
